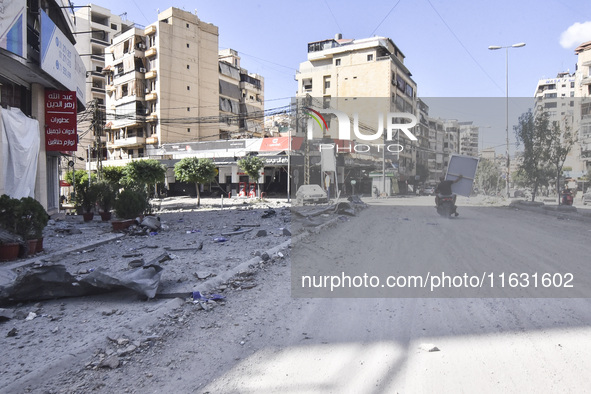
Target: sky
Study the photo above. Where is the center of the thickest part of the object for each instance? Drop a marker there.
(445, 41)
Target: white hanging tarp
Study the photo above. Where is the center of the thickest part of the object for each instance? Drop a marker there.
(20, 143)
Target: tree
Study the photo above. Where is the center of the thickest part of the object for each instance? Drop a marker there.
(113, 175)
(79, 180)
(143, 173)
(195, 170)
(252, 165)
(560, 145)
(535, 135)
(487, 176)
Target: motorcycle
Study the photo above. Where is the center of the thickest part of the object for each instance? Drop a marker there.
(445, 205)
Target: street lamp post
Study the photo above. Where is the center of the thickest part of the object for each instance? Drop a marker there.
(492, 48)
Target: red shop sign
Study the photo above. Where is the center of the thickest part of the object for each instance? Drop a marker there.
(60, 121)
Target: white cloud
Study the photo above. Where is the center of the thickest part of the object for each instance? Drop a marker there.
(575, 35)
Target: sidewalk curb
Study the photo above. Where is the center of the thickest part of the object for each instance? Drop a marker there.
(550, 210)
(57, 255)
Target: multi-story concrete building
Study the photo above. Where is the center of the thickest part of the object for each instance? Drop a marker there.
(34, 60)
(162, 85)
(241, 99)
(95, 28)
(583, 93)
(436, 155)
(556, 96)
(468, 138)
(338, 70)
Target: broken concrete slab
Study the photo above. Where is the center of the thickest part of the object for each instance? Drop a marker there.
(53, 281)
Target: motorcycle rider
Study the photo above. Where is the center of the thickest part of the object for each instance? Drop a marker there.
(444, 188)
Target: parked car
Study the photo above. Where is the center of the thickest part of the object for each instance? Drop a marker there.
(311, 194)
(587, 198)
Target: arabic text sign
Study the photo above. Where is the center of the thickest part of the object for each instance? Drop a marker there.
(60, 120)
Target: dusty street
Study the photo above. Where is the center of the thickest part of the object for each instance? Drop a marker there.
(270, 335)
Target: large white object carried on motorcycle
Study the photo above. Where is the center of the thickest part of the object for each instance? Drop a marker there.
(465, 165)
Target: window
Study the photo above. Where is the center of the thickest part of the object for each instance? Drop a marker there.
(337, 62)
(370, 57)
(572, 85)
(187, 25)
(188, 88)
(187, 45)
(188, 109)
(188, 67)
(140, 152)
(307, 84)
(113, 26)
(188, 129)
(326, 84)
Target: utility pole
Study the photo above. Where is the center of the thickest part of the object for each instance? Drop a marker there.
(97, 123)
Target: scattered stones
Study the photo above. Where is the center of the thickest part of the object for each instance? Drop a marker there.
(286, 232)
(261, 233)
(6, 314)
(136, 263)
(110, 362)
(12, 333)
(31, 316)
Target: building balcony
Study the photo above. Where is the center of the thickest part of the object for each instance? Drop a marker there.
(153, 117)
(151, 74)
(150, 52)
(151, 96)
(126, 142)
(586, 81)
(150, 30)
(110, 88)
(152, 140)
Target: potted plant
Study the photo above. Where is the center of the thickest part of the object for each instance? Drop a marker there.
(9, 241)
(31, 219)
(86, 198)
(128, 205)
(105, 198)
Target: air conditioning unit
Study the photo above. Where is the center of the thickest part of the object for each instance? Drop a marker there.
(141, 45)
(147, 90)
(142, 70)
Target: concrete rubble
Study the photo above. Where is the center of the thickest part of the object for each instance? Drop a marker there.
(178, 246)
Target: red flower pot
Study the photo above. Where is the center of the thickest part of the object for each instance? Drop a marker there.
(9, 251)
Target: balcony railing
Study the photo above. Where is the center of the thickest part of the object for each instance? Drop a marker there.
(151, 74)
(127, 142)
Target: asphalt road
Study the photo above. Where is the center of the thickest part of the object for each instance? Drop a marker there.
(387, 344)
(279, 337)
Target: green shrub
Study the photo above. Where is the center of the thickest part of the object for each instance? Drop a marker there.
(129, 204)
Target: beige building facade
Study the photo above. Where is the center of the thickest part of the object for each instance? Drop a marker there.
(96, 28)
(359, 73)
(162, 86)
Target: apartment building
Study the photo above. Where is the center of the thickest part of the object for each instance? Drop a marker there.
(96, 28)
(365, 76)
(468, 138)
(557, 97)
(583, 93)
(162, 86)
(241, 99)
